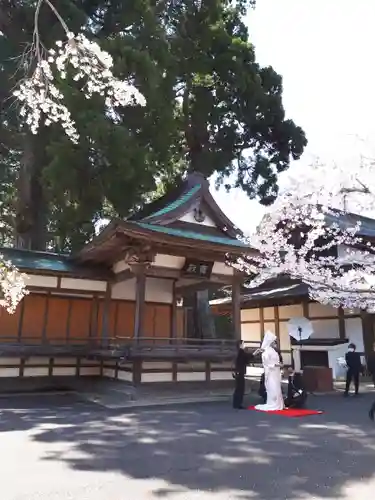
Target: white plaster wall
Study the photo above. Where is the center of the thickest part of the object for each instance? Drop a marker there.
(354, 332)
(326, 328)
(284, 336)
(189, 217)
(268, 313)
(192, 376)
(287, 312)
(159, 290)
(42, 281)
(89, 371)
(124, 290)
(80, 284)
(36, 372)
(250, 315)
(270, 326)
(9, 372)
(320, 310)
(250, 332)
(9, 361)
(156, 365)
(222, 268)
(37, 360)
(221, 375)
(119, 266)
(287, 358)
(63, 371)
(157, 377)
(170, 261)
(126, 376)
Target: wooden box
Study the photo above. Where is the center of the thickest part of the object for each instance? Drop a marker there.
(318, 379)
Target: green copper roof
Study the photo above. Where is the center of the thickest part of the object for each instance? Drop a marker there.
(44, 261)
(177, 203)
(222, 240)
(30, 260)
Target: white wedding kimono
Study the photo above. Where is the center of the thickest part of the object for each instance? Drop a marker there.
(272, 374)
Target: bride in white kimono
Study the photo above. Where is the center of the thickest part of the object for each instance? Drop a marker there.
(272, 373)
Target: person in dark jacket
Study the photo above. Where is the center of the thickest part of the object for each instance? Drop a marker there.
(371, 364)
(354, 364)
(242, 360)
(372, 411)
(371, 369)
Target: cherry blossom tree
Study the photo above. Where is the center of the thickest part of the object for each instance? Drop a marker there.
(12, 285)
(42, 102)
(75, 57)
(311, 234)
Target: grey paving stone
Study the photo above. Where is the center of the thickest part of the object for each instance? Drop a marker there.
(63, 448)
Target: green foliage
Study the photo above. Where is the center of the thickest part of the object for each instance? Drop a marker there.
(210, 107)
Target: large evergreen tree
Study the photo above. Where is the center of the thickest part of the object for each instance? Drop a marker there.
(210, 107)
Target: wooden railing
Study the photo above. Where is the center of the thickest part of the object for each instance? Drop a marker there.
(174, 343)
(117, 346)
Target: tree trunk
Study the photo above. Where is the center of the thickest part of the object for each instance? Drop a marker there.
(196, 133)
(31, 206)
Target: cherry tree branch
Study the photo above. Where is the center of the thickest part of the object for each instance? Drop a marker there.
(310, 238)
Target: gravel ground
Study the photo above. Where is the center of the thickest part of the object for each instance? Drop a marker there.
(61, 448)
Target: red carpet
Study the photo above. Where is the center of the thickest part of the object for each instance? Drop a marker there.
(290, 412)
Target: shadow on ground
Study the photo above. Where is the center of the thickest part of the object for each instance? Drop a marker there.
(208, 447)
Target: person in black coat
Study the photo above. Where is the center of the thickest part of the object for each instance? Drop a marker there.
(371, 369)
(371, 364)
(242, 360)
(354, 364)
(372, 411)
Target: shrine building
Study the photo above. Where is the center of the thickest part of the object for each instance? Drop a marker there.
(116, 308)
(270, 307)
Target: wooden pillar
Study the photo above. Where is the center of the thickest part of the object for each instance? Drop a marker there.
(368, 331)
(277, 324)
(236, 305)
(173, 332)
(140, 295)
(305, 307)
(342, 331)
(105, 318)
(45, 319)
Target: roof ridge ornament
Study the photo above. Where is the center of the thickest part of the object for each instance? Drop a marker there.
(199, 214)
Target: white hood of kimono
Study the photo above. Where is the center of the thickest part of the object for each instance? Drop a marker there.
(268, 340)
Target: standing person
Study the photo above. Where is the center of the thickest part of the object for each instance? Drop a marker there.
(242, 360)
(371, 369)
(262, 385)
(354, 364)
(239, 376)
(272, 375)
(371, 364)
(372, 412)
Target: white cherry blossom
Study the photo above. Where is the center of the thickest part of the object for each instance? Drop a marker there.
(12, 285)
(91, 67)
(310, 235)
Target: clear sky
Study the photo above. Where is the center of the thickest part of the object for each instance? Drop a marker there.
(324, 49)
